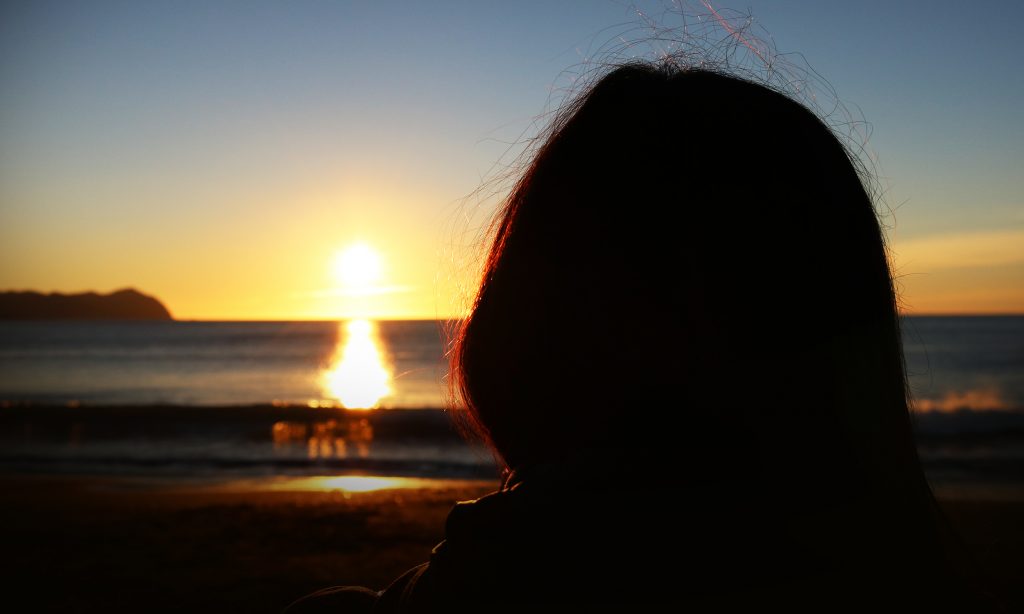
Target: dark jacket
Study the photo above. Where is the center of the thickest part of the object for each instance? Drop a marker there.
(589, 543)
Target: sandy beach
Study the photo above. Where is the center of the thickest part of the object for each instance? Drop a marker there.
(101, 544)
(119, 545)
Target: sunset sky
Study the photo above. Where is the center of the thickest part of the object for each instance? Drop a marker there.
(226, 156)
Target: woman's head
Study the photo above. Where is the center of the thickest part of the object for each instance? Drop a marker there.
(690, 268)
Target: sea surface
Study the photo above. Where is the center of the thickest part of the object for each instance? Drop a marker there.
(220, 363)
(973, 363)
(273, 398)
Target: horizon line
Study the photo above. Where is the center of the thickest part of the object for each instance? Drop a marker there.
(965, 314)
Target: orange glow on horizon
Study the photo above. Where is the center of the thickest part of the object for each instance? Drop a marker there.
(970, 272)
(359, 376)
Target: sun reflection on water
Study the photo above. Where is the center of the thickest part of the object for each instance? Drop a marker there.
(359, 377)
(347, 483)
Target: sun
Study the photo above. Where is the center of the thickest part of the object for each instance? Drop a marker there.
(357, 266)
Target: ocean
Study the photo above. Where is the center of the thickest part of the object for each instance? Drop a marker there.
(271, 398)
(215, 363)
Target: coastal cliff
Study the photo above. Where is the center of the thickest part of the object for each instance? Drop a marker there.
(127, 304)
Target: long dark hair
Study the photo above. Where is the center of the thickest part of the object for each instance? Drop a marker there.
(690, 277)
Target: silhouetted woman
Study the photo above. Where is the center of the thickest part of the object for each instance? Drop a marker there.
(685, 350)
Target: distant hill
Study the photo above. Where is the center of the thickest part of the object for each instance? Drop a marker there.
(127, 304)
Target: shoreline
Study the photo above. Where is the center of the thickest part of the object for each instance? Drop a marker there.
(970, 451)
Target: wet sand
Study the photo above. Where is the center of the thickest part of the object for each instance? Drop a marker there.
(120, 545)
(100, 544)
